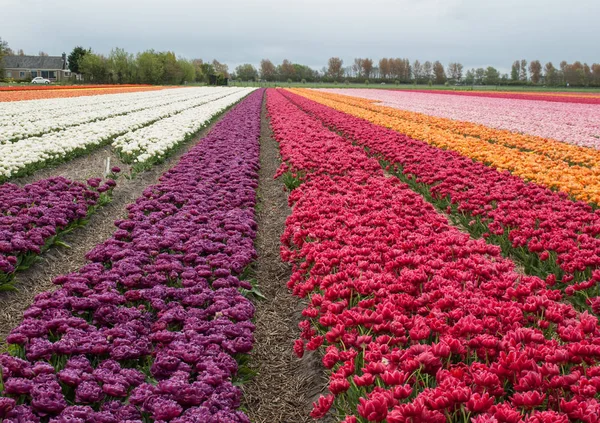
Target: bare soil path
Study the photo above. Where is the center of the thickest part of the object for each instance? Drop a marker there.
(285, 386)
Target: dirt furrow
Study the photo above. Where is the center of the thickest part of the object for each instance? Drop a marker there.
(285, 387)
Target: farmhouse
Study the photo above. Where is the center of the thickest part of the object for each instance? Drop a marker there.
(53, 68)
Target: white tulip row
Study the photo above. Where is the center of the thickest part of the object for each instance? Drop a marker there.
(36, 122)
(155, 141)
(38, 109)
(30, 154)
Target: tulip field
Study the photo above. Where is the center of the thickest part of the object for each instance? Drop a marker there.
(444, 248)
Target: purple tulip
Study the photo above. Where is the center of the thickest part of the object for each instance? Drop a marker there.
(162, 293)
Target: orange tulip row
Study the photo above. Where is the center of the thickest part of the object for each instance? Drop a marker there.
(6, 96)
(572, 169)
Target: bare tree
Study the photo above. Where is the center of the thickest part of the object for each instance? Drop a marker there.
(221, 68)
(428, 71)
(287, 70)
(455, 71)
(357, 67)
(367, 67)
(535, 70)
(417, 70)
(268, 71)
(384, 68)
(335, 69)
(523, 74)
(42, 53)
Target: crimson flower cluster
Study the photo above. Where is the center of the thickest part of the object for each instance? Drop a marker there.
(33, 216)
(417, 321)
(554, 237)
(151, 327)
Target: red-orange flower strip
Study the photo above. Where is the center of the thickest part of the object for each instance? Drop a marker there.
(551, 236)
(418, 322)
(21, 95)
(68, 87)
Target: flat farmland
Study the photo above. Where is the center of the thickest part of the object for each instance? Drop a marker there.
(238, 254)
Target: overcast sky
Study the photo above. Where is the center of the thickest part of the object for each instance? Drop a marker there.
(473, 32)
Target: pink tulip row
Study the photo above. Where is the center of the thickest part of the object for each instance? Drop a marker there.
(551, 236)
(418, 322)
(560, 97)
(577, 124)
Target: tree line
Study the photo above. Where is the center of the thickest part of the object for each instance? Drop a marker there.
(153, 67)
(147, 67)
(402, 71)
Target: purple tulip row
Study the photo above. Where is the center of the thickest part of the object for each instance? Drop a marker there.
(151, 328)
(32, 217)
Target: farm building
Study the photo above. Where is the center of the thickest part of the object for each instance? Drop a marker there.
(53, 68)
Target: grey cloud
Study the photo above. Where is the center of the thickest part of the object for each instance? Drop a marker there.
(474, 32)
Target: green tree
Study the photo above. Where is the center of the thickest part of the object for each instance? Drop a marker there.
(246, 72)
(470, 77)
(121, 66)
(207, 69)
(595, 81)
(4, 51)
(550, 74)
(303, 72)
(439, 74)
(492, 76)
(188, 71)
(173, 74)
(515, 70)
(479, 76)
(75, 57)
(94, 68)
(200, 76)
(150, 67)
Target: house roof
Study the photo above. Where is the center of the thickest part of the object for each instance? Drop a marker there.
(33, 62)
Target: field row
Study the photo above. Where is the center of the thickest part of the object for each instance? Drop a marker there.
(560, 97)
(150, 329)
(556, 165)
(107, 120)
(577, 124)
(549, 235)
(439, 286)
(12, 95)
(417, 321)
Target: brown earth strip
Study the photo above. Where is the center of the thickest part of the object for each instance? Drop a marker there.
(285, 387)
(59, 260)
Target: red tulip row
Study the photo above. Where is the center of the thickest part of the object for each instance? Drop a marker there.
(418, 322)
(552, 236)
